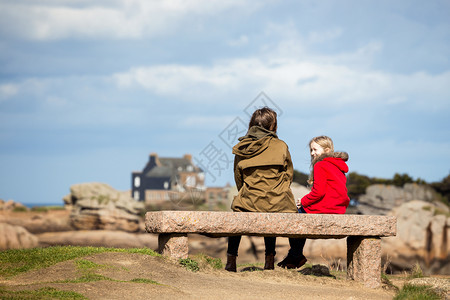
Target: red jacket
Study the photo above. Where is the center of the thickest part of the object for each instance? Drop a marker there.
(329, 192)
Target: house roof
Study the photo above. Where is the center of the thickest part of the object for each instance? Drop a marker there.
(160, 171)
(168, 166)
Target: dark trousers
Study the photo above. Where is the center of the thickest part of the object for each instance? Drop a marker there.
(297, 244)
(234, 241)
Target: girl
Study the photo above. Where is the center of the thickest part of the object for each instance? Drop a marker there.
(328, 194)
(263, 172)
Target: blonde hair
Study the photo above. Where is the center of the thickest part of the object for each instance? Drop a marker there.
(327, 144)
(323, 141)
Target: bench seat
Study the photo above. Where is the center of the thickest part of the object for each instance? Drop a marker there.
(363, 233)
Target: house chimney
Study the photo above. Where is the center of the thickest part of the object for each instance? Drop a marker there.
(188, 157)
(154, 159)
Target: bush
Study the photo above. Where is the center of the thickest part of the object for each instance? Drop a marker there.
(300, 178)
(20, 209)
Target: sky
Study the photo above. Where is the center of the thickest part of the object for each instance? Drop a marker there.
(88, 89)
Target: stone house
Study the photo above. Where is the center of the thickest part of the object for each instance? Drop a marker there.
(167, 178)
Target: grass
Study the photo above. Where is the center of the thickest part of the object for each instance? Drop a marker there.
(411, 291)
(87, 265)
(208, 261)
(46, 208)
(14, 262)
(143, 280)
(416, 272)
(17, 261)
(201, 261)
(43, 293)
(189, 264)
(417, 292)
(88, 277)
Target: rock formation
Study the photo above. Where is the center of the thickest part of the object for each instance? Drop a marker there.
(38, 222)
(422, 236)
(99, 238)
(99, 206)
(299, 190)
(11, 205)
(16, 237)
(381, 199)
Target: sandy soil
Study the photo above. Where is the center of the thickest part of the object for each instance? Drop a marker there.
(174, 281)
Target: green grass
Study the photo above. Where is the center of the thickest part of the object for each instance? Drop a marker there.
(46, 208)
(88, 277)
(208, 261)
(189, 264)
(416, 271)
(84, 264)
(201, 261)
(144, 280)
(43, 293)
(17, 261)
(416, 292)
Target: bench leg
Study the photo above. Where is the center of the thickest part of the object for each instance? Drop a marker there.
(173, 245)
(364, 260)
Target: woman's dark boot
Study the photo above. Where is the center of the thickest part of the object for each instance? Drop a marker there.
(270, 261)
(231, 263)
(292, 262)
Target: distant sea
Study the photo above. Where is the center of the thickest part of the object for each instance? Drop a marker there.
(38, 204)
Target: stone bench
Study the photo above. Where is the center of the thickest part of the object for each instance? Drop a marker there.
(362, 232)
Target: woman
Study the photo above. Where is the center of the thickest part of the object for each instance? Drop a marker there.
(263, 173)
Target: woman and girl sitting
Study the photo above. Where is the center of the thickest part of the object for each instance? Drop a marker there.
(263, 172)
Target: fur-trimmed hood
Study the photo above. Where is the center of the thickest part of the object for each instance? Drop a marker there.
(336, 158)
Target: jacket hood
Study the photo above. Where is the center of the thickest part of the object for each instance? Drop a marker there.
(336, 158)
(254, 142)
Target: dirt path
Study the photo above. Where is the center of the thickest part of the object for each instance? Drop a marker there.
(175, 281)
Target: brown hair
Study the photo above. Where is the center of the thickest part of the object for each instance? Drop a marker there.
(264, 117)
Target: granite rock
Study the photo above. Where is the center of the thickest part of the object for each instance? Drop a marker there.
(266, 224)
(99, 206)
(16, 237)
(380, 199)
(422, 236)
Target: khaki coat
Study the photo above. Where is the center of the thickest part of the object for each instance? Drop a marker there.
(263, 173)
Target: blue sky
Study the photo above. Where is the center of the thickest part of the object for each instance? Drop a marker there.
(88, 89)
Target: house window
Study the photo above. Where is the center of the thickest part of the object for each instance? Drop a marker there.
(190, 181)
(136, 195)
(189, 168)
(166, 185)
(137, 181)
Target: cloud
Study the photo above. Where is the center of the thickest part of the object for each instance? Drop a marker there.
(324, 36)
(241, 41)
(7, 91)
(300, 81)
(121, 19)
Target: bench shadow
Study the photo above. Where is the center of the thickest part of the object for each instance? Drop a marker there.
(317, 270)
(251, 269)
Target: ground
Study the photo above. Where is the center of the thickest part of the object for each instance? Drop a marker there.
(175, 281)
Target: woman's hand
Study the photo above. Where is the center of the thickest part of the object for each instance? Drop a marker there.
(299, 202)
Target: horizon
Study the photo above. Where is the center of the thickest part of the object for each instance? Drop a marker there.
(88, 89)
